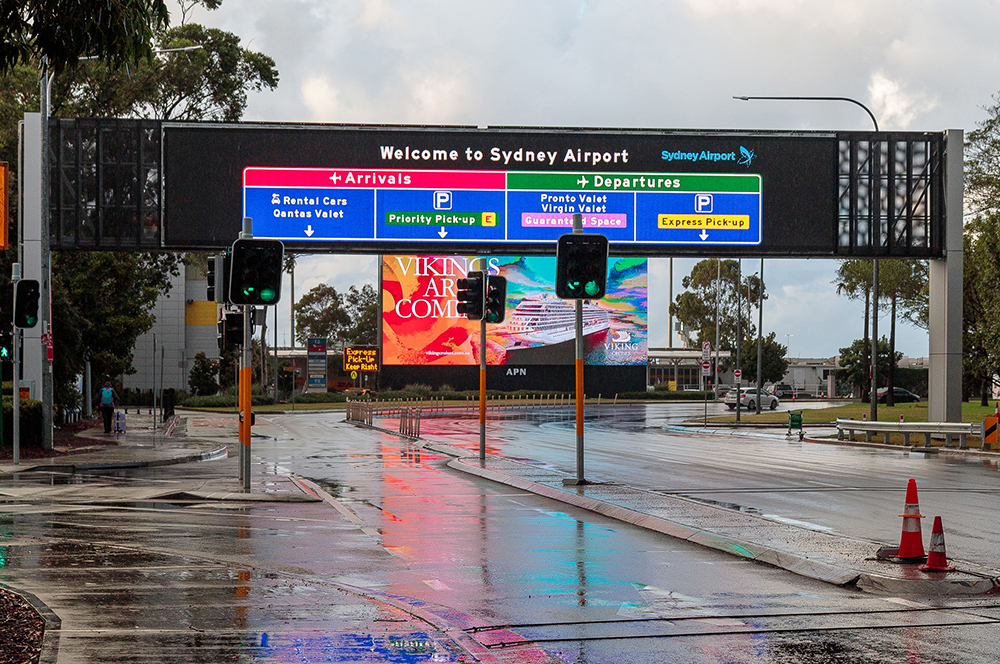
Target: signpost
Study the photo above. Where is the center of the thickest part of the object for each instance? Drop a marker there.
(706, 354)
(737, 374)
(315, 365)
(360, 359)
(706, 370)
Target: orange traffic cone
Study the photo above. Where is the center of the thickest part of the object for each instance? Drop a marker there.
(911, 542)
(937, 559)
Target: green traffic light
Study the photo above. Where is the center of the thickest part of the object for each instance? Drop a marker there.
(32, 321)
(267, 295)
(592, 288)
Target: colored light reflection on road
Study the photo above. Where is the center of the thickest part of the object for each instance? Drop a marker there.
(412, 648)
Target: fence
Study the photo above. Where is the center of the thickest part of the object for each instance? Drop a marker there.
(411, 411)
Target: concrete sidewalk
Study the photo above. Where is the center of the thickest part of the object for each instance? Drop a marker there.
(141, 445)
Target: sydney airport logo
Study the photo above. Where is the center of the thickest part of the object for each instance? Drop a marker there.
(745, 157)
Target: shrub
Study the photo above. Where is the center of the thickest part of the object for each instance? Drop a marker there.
(202, 376)
(321, 397)
(30, 424)
(418, 390)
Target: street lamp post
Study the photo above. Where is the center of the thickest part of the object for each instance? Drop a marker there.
(760, 337)
(876, 242)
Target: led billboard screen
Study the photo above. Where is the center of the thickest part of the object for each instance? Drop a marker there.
(421, 325)
(510, 191)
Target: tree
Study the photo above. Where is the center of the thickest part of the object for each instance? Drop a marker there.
(202, 376)
(696, 306)
(902, 290)
(363, 308)
(774, 364)
(981, 316)
(321, 314)
(228, 365)
(981, 308)
(102, 302)
(854, 279)
(855, 361)
(982, 163)
(904, 284)
(208, 83)
(62, 31)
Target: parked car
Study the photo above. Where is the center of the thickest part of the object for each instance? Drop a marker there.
(899, 395)
(782, 391)
(749, 398)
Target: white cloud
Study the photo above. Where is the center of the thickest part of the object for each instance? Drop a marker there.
(895, 108)
(320, 99)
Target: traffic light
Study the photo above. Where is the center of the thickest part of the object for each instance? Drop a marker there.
(6, 345)
(210, 277)
(26, 303)
(581, 266)
(496, 299)
(234, 329)
(230, 331)
(222, 270)
(255, 274)
(470, 295)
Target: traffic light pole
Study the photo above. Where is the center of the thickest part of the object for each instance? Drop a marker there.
(482, 390)
(16, 375)
(245, 401)
(578, 228)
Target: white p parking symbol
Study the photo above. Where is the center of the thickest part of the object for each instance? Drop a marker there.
(442, 200)
(703, 203)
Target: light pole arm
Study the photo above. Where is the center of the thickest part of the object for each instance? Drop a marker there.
(847, 99)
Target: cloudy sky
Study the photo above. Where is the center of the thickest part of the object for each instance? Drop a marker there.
(917, 64)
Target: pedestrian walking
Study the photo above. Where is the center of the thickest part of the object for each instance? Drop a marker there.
(107, 402)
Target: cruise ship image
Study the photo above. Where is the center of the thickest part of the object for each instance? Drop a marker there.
(542, 330)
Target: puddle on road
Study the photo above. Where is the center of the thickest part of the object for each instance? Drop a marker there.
(721, 503)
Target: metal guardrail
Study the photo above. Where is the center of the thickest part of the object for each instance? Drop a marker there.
(927, 429)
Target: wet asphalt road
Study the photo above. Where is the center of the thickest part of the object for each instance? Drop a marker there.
(179, 580)
(853, 491)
